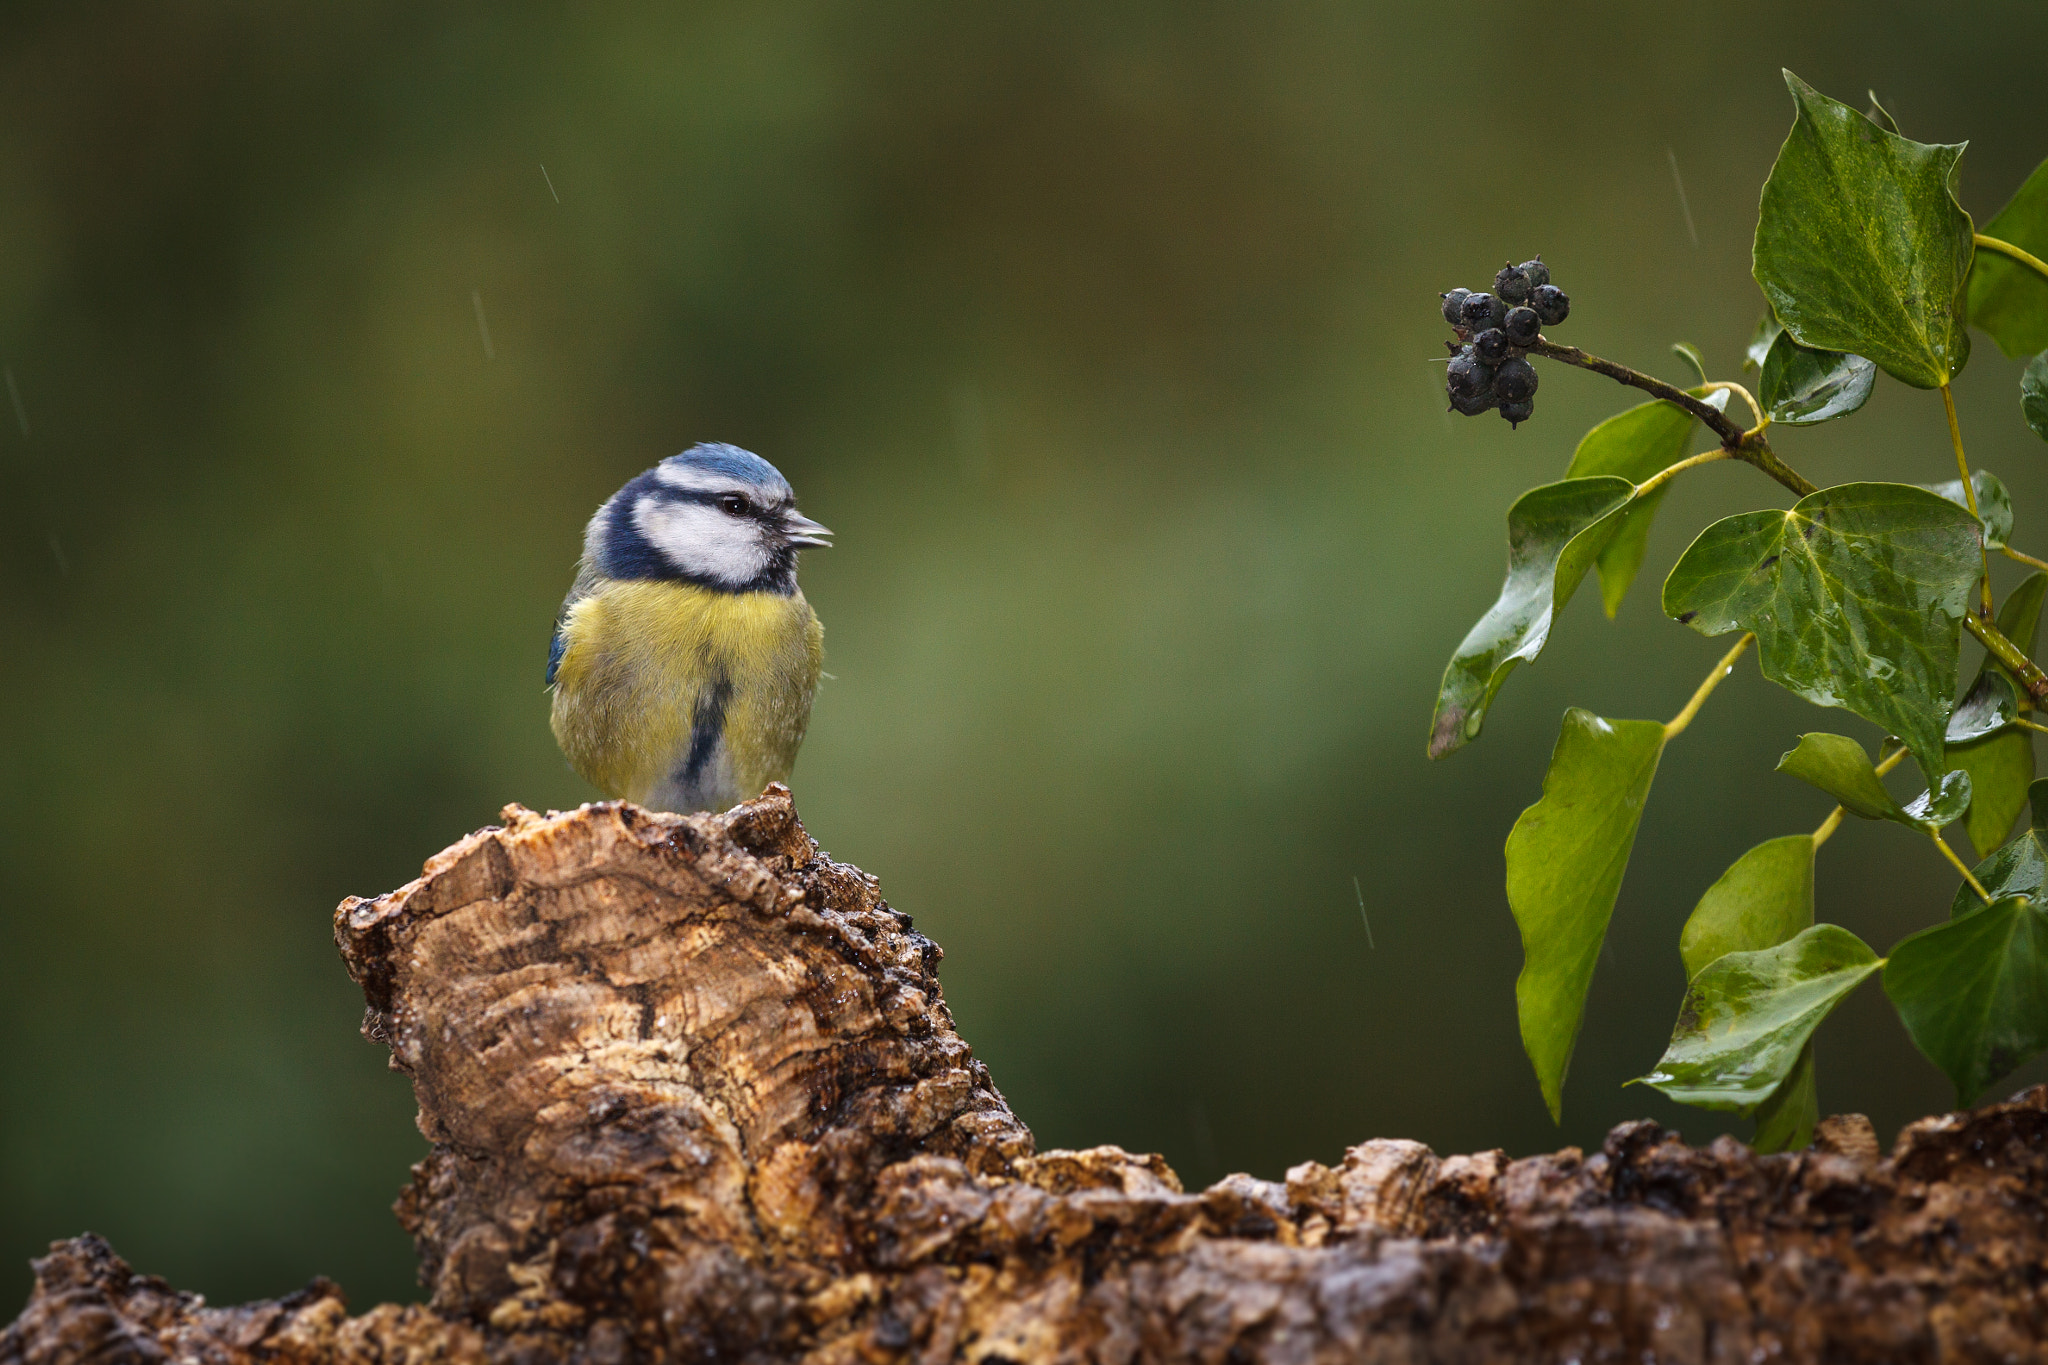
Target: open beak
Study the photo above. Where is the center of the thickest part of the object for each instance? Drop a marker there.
(801, 530)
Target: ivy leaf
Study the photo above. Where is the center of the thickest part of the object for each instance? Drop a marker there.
(1994, 504)
(1747, 1017)
(1554, 532)
(2034, 394)
(1566, 856)
(1690, 354)
(1988, 708)
(1856, 595)
(1801, 387)
(2007, 299)
(2019, 868)
(1877, 114)
(1763, 899)
(1768, 330)
(1634, 445)
(1785, 1122)
(1860, 243)
(1974, 992)
(1838, 766)
(2002, 765)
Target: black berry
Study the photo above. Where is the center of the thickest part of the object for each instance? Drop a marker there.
(1511, 284)
(1492, 345)
(1535, 272)
(1454, 305)
(1481, 311)
(1518, 413)
(1469, 383)
(1521, 326)
(1514, 381)
(1550, 302)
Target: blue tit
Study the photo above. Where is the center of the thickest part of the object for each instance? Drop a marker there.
(685, 657)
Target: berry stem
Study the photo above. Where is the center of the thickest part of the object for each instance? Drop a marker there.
(1748, 446)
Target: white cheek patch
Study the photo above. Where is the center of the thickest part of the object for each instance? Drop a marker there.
(703, 541)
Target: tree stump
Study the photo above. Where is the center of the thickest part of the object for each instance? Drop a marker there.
(694, 1095)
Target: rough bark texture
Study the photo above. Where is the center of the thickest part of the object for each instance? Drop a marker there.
(694, 1095)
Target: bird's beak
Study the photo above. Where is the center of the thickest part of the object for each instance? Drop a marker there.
(801, 530)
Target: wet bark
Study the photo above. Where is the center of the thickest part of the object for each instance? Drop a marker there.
(694, 1095)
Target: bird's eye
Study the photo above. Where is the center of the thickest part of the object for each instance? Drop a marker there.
(733, 504)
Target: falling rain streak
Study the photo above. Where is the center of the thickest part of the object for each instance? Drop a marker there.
(20, 412)
(476, 297)
(1684, 207)
(550, 182)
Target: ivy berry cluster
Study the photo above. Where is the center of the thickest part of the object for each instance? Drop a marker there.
(1488, 366)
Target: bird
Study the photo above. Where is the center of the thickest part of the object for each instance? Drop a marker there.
(685, 658)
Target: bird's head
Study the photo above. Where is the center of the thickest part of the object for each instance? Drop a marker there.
(714, 515)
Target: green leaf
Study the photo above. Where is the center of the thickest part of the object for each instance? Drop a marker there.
(1747, 1017)
(1876, 114)
(1554, 532)
(2034, 394)
(1860, 244)
(1566, 857)
(1634, 445)
(1838, 766)
(1690, 354)
(1856, 596)
(1994, 504)
(1974, 992)
(1785, 1122)
(1987, 708)
(1801, 387)
(1764, 899)
(2007, 299)
(1768, 330)
(2019, 868)
(2001, 766)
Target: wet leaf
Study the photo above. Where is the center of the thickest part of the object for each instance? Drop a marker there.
(1861, 246)
(2008, 299)
(1785, 1122)
(2018, 868)
(1747, 1017)
(1856, 595)
(1838, 766)
(1974, 992)
(1989, 707)
(1554, 533)
(2001, 766)
(1876, 114)
(1634, 445)
(1768, 330)
(2034, 394)
(1762, 900)
(1994, 504)
(1566, 857)
(1801, 387)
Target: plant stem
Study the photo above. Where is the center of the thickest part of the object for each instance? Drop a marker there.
(2011, 553)
(1834, 820)
(1960, 865)
(1676, 725)
(1748, 446)
(2026, 724)
(1669, 472)
(1955, 436)
(2010, 656)
(1747, 397)
(2008, 249)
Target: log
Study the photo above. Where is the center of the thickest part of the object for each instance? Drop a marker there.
(694, 1094)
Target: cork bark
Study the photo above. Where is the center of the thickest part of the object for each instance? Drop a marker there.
(694, 1095)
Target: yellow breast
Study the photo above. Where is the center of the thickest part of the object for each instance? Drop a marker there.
(640, 656)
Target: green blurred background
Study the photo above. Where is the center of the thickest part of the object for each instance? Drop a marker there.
(1102, 336)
